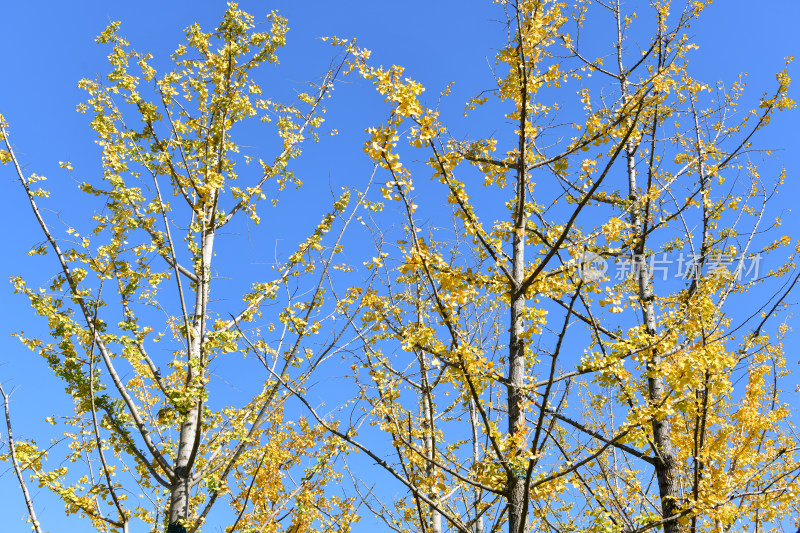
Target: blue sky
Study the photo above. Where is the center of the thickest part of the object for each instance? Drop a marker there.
(48, 47)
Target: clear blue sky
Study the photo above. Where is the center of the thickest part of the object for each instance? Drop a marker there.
(48, 46)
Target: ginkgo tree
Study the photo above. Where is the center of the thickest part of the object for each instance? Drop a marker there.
(528, 359)
(528, 365)
(135, 330)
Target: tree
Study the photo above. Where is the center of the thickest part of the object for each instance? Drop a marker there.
(515, 380)
(134, 332)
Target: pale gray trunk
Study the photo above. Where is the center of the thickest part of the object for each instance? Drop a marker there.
(666, 464)
(430, 454)
(476, 457)
(188, 440)
(429, 441)
(180, 492)
(516, 493)
(516, 359)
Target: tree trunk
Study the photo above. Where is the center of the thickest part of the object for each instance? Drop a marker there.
(189, 438)
(516, 359)
(665, 457)
(665, 463)
(430, 452)
(476, 457)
